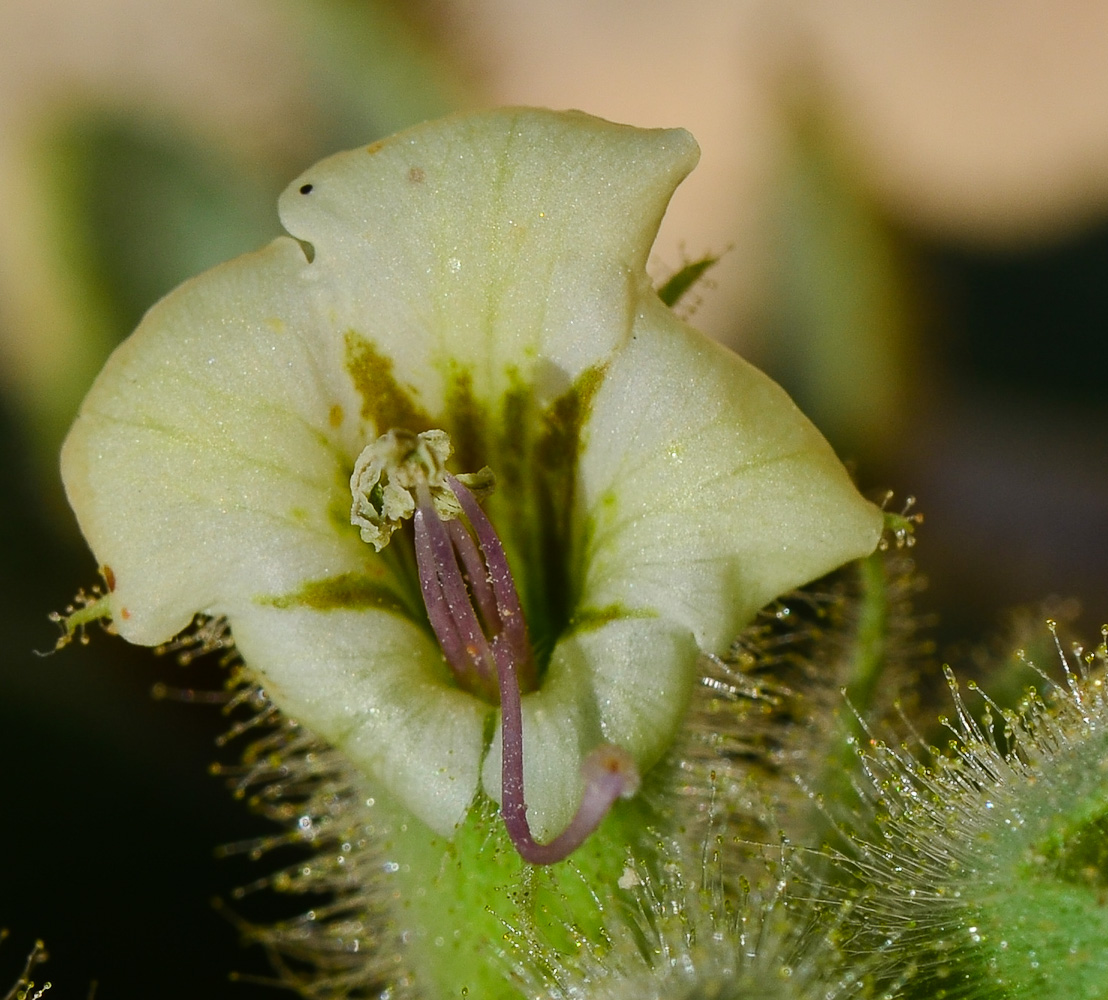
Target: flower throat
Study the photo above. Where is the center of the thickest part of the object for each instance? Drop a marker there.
(473, 608)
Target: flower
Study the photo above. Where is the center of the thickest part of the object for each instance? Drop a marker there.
(475, 284)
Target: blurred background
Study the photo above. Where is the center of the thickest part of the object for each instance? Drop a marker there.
(910, 204)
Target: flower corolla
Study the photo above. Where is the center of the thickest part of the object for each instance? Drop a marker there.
(470, 295)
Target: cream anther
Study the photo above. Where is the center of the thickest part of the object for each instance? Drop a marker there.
(389, 471)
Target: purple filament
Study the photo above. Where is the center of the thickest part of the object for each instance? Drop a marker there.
(474, 610)
(449, 609)
(476, 574)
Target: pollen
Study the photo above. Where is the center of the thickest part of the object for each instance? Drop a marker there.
(389, 472)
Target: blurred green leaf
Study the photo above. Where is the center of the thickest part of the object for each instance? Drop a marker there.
(374, 71)
(842, 332)
(146, 206)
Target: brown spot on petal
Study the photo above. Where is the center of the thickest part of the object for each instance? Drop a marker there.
(109, 577)
(335, 416)
(416, 175)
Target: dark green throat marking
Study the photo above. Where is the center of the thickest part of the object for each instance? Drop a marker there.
(384, 400)
(348, 591)
(587, 619)
(532, 446)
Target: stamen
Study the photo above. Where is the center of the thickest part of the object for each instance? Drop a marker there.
(438, 611)
(500, 578)
(474, 610)
(609, 771)
(386, 473)
(476, 574)
(449, 609)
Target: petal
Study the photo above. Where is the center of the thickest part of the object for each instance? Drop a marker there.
(706, 493)
(643, 671)
(508, 245)
(374, 684)
(209, 462)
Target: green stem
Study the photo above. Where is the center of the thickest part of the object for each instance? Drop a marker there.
(870, 636)
(867, 654)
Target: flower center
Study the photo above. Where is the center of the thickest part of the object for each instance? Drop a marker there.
(474, 610)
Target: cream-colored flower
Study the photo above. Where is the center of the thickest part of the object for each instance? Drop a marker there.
(482, 276)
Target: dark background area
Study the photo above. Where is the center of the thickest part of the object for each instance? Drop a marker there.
(1010, 457)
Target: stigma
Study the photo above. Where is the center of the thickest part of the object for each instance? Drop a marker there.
(474, 610)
